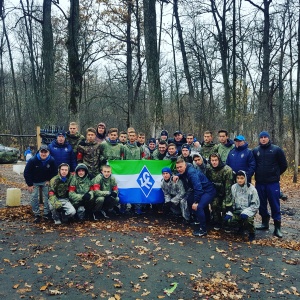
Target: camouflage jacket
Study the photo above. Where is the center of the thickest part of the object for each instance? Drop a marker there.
(132, 151)
(224, 150)
(222, 178)
(157, 155)
(58, 190)
(104, 186)
(89, 154)
(74, 140)
(207, 149)
(78, 187)
(111, 151)
(149, 153)
(173, 191)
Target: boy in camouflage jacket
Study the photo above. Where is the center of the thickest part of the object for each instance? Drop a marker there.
(60, 206)
(111, 149)
(80, 192)
(222, 177)
(105, 192)
(88, 152)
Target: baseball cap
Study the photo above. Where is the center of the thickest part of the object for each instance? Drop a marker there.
(239, 138)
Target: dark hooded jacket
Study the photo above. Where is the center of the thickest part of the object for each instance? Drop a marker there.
(270, 163)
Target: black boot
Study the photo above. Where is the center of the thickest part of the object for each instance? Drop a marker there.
(264, 223)
(277, 227)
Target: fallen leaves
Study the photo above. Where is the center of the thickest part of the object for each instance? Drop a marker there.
(220, 286)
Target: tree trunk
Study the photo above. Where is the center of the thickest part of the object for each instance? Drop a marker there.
(48, 55)
(154, 87)
(75, 64)
(223, 48)
(17, 113)
(131, 106)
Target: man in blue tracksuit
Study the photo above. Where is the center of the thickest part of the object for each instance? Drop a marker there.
(241, 157)
(62, 151)
(270, 164)
(200, 192)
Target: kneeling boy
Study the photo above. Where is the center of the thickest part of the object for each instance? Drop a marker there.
(245, 204)
(60, 206)
(105, 192)
(174, 193)
(80, 193)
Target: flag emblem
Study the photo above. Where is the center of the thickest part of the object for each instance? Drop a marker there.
(145, 181)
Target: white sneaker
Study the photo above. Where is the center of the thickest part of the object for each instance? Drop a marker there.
(57, 222)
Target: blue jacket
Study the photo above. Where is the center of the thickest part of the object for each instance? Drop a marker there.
(193, 179)
(270, 163)
(63, 154)
(37, 170)
(242, 158)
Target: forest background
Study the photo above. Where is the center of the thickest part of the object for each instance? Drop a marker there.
(189, 65)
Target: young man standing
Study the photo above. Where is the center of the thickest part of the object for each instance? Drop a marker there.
(88, 152)
(150, 148)
(132, 151)
(186, 153)
(59, 203)
(161, 151)
(208, 146)
(123, 137)
(194, 145)
(172, 153)
(62, 151)
(225, 145)
(221, 177)
(38, 172)
(270, 164)
(241, 157)
(73, 137)
(178, 140)
(111, 149)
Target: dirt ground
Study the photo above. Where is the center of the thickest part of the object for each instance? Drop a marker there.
(145, 257)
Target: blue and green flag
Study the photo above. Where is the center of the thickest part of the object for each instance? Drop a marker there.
(139, 180)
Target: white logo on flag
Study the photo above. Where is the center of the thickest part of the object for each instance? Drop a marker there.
(145, 181)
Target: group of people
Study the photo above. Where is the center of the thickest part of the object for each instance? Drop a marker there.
(208, 183)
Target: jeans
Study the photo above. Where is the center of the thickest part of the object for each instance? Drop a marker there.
(35, 204)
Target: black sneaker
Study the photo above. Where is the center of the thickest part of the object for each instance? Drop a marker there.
(283, 197)
(217, 226)
(48, 217)
(37, 219)
(251, 237)
(199, 232)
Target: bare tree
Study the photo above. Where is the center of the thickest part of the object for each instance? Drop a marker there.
(154, 87)
(75, 64)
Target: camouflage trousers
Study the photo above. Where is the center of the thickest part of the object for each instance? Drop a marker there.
(105, 203)
(247, 224)
(217, 210)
